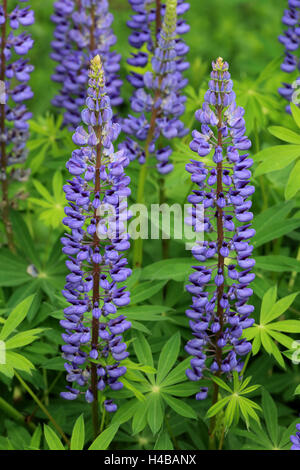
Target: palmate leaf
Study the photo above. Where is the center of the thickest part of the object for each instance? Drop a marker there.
(264, 332)
(52, 206)
(235, 403)
(160, 389)
(271, 437)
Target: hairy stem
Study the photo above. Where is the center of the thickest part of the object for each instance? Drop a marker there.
(96, 293)
(138, 244)
(157, 20)
(93, 27)
(220, 289)
(4, 179)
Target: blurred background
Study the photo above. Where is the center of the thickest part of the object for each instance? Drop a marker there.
(241, 31)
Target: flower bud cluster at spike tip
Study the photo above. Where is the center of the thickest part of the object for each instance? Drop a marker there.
(220, 282)
(98, 180)
(142, 22)
(160, 95)
(296, 439)
(83, 30)
(291, 41)
(15, 73)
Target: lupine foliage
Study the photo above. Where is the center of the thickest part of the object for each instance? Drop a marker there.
(193, 314)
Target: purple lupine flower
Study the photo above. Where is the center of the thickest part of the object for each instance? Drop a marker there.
(142, 22)
(15, 75)
(158, 92)
(291, 41)
(14, 92)
(83, 30)
(295, 440)
(94, 347)
(220, 284)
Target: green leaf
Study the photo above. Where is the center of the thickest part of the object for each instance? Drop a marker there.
(231, 410)
(295, 113)
(177, 374)
(280, 307)
(293, 184)
(24, 239)
(125, 412)
(168, 357)
(155, 413)
(297, 391)
(276, 230)
(163, 442)
(217, 407)
(270, 415)
(43, 191)
(180, 406)
(146, 290)
(143, 352)
(221, 383)
(16, 361)
(175, 269)
(102, 442)
(277, 263)
(139, 421)
(265, 220)
(133, 389)
(78, 433)
(268, 301)
(287, 326)
(22, 339)
(16, 317)
(146, 312)
(276, 158)
(35, 441)
(53, 441)
(13, 270)
(285, 134)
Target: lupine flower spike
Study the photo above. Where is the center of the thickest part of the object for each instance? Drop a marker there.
(220, 282)
(83, 30)
(296, 439)
(149, 15)
(94, 346)
(159, 93)
(291, 41)
(14, 75)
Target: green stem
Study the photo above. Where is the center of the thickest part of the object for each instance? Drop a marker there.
(102, 420)
(15, 415)
(43, 408)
